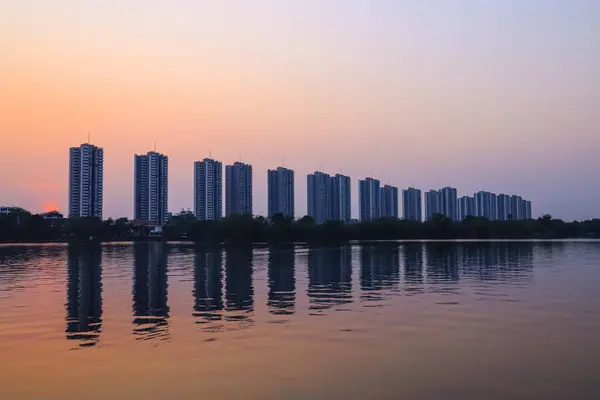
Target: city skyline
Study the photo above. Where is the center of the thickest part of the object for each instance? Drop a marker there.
(482, 96)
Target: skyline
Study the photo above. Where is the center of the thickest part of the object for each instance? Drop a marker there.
(482, 97)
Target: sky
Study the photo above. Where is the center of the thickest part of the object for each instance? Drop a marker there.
(479, 95)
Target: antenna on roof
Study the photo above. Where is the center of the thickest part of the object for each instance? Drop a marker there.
(209, 152)
(155, 145)
(283, 162)
(89, 136)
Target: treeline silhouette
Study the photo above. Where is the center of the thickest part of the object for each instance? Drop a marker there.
(23, 226)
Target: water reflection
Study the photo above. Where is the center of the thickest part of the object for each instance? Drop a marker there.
(84, 294)
(150, 284)
(503, 262)
(413, 267)
(223, 289)
(329, 277)
(239, 297)
(442, 266)
(282, 281)
(208, 285)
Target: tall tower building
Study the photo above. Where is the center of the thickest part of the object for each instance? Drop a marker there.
(208, 190)
(503, 205)
(369, 199)
(466, 207)
(433, 204)
(239, 189)
(151, 191)
(528, 209)
(486, 205)
(281, 192)
(516, 211)
(319, 196)
(449, 203)
(389, 202)
(411, 204)
(341, 201)
(86, 174)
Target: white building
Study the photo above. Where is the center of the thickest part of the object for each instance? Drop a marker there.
(208, 189)
(369, 199)
(86, 172)
(151, 191)
(239, 189)
(281, 192)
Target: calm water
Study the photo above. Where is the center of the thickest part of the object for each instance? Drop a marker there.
(393, 320)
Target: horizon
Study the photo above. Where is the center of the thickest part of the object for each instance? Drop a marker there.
(497, 97)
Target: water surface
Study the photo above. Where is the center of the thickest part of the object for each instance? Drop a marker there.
(491, 320)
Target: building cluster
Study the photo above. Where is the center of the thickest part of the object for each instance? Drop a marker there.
(328, 197)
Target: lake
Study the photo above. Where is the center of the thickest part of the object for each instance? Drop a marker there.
(414, 320)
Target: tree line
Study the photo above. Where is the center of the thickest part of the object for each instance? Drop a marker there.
(24, 227)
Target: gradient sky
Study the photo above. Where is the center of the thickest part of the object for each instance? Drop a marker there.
(481, 95)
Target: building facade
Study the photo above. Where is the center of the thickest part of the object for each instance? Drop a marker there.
(341, 198)
(433, 204)
(319, 197)
(239, 189)
(208, 190)
(389, 202)
(369, 199)
(503, 205)
(449, 203)
(151, 191)
(516, 207)
(86, 176)
(486, 205)
(281, 192)
(411, 204)
(466, 207)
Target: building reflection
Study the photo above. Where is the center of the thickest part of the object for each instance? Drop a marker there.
(497, 261)
(282, 282)
(413, 267)
(208, 285)
(442, 265)
(84, 293)
(329, 277)
(379, 266)
(239, 297)
(150, 291)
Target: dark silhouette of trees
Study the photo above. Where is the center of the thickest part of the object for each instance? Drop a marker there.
(21, 226)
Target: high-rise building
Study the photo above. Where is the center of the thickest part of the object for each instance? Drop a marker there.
(208, 190)
(86, 174)
(503, 202)
(486, 205)
(341, 199)
(369, 199)
(281, 192)
(466, 207)
(433, 204)
(525, 209)
(515, 211)
(389, 201)
(493, 207)
(319, 198)
(411, 204)
(151, 192)
(528, 210)
(239, 189)
(449, 203)
(328, 198)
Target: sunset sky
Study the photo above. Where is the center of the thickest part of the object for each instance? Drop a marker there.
(480, 95)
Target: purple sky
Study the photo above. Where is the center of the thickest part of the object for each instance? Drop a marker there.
(480, 95)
